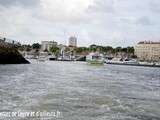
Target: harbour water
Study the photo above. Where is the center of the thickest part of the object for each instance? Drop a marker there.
(80, 91)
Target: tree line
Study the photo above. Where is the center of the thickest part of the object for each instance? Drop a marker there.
(108, 50)
(105, 49)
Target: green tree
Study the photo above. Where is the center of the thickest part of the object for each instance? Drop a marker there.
(93, 48)
(25, 48)
(118, 49)
(124, 50)
(36, 46)
(55, 50)
(130, 49)
(109, 49)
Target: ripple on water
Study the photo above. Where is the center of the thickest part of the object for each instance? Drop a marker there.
(81, 91)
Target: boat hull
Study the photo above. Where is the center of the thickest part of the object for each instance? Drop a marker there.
(95, 62)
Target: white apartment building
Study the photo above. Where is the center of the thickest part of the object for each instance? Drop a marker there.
(46, 45)
(72, 42)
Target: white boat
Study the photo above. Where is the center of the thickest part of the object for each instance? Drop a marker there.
(130, 61)
(121, 61)
(95, 58)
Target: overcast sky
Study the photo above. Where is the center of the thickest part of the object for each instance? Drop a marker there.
(103, 22)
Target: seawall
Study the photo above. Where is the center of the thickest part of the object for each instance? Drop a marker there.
(143, 65)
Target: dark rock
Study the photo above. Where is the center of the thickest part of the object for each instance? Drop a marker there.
(10, 55)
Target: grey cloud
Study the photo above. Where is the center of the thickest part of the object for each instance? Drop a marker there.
(145, 21)
(18, 2)
(106, 6)
(155, 6)
(107, 22)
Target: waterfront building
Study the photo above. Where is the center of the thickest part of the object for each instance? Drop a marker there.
(148, 51)
(60, 46)
(72, 41)
(46, 45)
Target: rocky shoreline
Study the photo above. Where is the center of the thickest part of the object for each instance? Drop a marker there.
(10, 55)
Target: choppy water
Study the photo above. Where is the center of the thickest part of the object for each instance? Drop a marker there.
(82, 92)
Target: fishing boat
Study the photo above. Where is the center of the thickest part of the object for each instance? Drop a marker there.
(95, 58)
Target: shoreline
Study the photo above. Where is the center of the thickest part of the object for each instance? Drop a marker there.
(141, 65)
